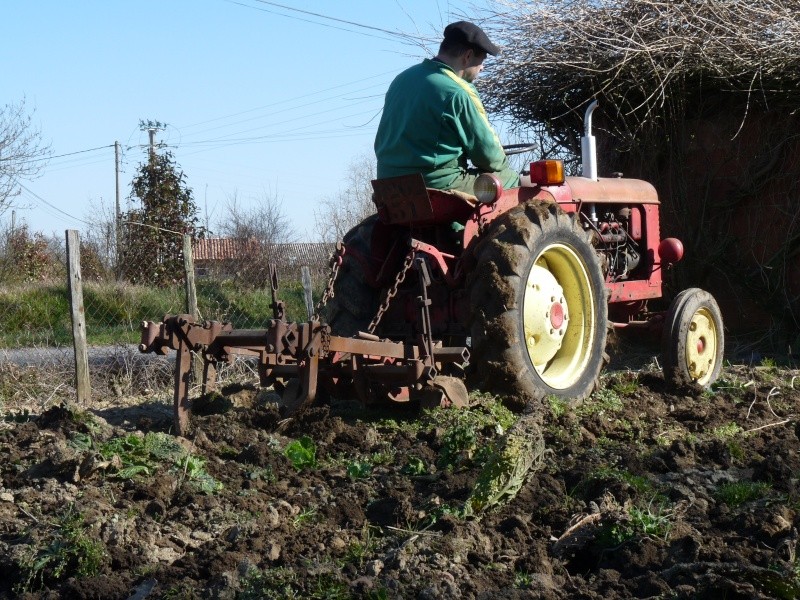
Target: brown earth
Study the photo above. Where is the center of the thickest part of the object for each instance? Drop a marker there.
(645, 492)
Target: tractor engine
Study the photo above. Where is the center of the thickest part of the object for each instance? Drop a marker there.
(619, 253)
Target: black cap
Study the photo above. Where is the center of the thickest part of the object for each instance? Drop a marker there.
(469, 33)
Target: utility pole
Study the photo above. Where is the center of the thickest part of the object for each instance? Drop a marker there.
(152, 132)
(118, 227)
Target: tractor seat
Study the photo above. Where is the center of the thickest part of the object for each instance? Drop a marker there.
(405, 200)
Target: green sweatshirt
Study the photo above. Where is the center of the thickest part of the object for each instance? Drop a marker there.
(432, 122)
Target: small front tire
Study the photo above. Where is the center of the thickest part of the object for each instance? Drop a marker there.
(693, 341)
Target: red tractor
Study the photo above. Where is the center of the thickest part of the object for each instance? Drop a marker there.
(530, 279)
(515, 289)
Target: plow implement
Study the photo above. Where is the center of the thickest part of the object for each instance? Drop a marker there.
(303, 360)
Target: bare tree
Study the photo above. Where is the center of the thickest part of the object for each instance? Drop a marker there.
(263, 219)
(100, 236)
(259, 232)
(22, 155)
(351, 204)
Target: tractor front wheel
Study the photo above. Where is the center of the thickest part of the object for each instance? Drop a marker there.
(539, 307)
(693, 340)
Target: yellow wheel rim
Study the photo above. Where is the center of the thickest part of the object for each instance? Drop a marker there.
(701, 346)
(559, 316)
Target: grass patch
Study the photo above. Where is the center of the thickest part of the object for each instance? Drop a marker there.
(66, 550)
(603, 401)
(38, 314)
(736, 493)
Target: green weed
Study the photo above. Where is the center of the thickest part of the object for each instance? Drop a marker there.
(193, 468)
(558, 406)
(736, 493)
(522, 580)
(283, 584)
(726, 432)
(505, 471)
(304, 517)
(603, 401)
(414, 466)
(653, 521)
(67, 551)
(359, 469)
(302, 453)
(464, 441)
(624, 384)
(359, 550)
(140, 455)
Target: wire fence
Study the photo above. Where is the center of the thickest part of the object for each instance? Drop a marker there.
(231, 283)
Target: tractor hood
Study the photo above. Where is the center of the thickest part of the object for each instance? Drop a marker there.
(612, 190)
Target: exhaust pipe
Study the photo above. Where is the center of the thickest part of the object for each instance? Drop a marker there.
(588, 146)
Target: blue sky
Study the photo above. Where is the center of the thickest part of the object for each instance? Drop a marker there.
(258, 100)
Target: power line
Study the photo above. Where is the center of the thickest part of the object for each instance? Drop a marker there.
(61, 155)
(52, 206)
(395, 34)
(346, 22)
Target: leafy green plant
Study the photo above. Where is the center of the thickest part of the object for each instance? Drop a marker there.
(359, 469)
(140, 455)
(506, 470)
(459, 445)
(414, 466)
(736, 493)
(642, 485)
(193, 467)
(270, 584)
(464, 440)
(67, 551)
(302, 453)
(651, 522)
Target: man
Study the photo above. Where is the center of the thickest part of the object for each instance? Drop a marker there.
(433, 119)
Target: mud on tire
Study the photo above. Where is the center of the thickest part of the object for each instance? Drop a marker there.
(539, 308)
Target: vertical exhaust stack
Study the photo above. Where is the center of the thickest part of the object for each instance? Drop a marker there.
(588, 145)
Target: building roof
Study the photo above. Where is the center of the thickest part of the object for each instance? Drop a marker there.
(218, 249)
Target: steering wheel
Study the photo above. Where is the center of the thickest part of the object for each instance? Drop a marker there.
(510, 149)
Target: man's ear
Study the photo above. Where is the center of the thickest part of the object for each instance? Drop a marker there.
(468, 56)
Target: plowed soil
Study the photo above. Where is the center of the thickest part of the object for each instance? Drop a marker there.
(645, 492)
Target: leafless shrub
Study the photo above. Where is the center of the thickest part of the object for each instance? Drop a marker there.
(647, 59)
(697, 97)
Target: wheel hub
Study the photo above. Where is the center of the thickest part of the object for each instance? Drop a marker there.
(701, 346)
(546, 316)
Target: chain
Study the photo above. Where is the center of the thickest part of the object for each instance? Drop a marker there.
(335, 263)
(392, 291)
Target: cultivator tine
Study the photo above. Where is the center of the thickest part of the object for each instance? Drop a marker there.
(181, 404)
(278, 307)
(303, 390)
(426, 335)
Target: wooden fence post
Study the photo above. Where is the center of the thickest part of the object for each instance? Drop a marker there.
(188, 265)
(191, 299)
(75, 289)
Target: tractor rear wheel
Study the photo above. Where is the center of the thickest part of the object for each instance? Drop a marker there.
(354, 302)
(539, 307)
(693, 341)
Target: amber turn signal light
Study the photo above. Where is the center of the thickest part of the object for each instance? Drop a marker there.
(547, 172)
